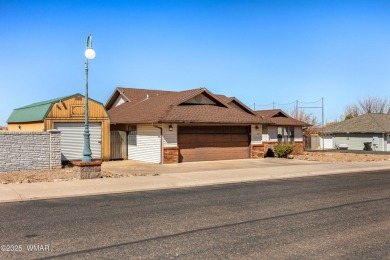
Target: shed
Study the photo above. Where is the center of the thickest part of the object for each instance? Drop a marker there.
(67, 115)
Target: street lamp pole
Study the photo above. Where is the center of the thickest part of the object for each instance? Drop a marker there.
(89, 55)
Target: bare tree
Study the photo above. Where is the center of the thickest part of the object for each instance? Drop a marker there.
(367, 105)
(307, 118)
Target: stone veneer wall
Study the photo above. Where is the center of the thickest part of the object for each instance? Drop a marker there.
(257, 151)
(171, 155)
(20, 151)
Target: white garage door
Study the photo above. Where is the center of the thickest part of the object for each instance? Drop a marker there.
(72, 140)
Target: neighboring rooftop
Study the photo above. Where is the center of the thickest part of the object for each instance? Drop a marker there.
(367, 123)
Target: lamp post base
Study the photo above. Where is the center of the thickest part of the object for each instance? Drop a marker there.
(87, 170)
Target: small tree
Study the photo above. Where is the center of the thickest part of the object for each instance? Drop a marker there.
(301, 115)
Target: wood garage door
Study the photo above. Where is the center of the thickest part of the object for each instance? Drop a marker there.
(209, 143)
(72, 140)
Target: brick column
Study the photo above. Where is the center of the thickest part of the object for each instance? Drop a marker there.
(171, 155)
(87, 170)
(257, 151)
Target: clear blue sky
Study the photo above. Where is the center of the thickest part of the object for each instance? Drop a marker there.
(258, 51)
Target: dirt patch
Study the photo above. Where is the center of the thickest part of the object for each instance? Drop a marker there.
(341, 157)
(62, 174)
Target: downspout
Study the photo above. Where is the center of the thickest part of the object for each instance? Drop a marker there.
(161, 144)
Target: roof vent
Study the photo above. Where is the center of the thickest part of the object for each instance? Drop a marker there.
(147, 95)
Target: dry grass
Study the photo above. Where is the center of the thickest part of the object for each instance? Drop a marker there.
(63, 174)
(341, 157)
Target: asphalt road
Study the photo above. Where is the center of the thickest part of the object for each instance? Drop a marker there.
(327, 217)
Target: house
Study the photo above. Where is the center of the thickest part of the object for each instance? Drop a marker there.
(352, 134)
(67, 115)
(194, 125)
(284, 128)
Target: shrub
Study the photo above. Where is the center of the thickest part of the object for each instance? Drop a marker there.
(297, 149)
(282, 150)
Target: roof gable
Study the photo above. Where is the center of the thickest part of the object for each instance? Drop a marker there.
(280, 114)
(202, 92)
(37, 111)
(280, 118)
(133, 95)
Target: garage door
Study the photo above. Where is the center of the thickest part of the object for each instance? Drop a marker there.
(72, 140)
(208, 143)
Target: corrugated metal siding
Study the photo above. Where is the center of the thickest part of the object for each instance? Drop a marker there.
(355, 141)
(170, 137)
(72, 140)
(148, 148)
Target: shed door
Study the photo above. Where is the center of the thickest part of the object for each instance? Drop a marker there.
(72, 140)
(208, 143)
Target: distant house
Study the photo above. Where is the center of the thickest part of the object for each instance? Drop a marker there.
(67, 115)
(194, 125)
(351, 134)
(284, 128)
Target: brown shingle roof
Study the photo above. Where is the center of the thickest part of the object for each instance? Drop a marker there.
(278, 117)
(167, 106)
(368, 123)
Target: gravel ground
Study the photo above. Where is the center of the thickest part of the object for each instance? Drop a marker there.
(66, 173)
(341, 157)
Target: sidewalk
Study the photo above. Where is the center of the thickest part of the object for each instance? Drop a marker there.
(181, 175)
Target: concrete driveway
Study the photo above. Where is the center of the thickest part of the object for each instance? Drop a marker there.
(126, 167)
(266, 165)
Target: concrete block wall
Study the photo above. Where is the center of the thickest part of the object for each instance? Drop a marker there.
(21, 151)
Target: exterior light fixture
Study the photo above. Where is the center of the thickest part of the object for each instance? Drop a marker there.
(89, 55)
(170, 128)
(257, 128)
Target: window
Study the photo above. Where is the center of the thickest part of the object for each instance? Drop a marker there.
(132, 138)
(285, 135)
(291, 135)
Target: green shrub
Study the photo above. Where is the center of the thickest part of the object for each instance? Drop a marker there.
(282, 150)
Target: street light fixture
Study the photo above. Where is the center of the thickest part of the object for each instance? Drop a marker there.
(90, 55)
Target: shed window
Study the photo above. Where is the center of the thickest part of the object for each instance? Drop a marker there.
(132, 138)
